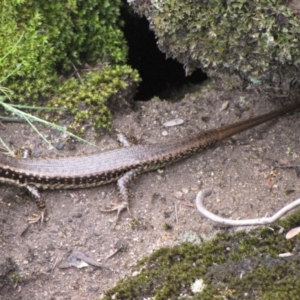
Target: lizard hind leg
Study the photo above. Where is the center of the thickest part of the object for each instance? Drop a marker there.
(40, 203)
(123, 188)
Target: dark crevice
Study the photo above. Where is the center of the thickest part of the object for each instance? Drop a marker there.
(158, 73)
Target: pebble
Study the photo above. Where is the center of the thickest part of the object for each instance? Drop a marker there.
(173, 122)
(225, 105)
(60, 146)
(179, 195)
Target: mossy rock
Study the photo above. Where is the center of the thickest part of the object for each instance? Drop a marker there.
(244, 265)
(238, 43)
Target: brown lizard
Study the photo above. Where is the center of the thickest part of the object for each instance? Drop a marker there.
(121, 165)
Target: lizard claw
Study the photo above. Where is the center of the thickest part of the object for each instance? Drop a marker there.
(37, 217)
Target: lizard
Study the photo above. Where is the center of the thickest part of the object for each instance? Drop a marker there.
(122, 165)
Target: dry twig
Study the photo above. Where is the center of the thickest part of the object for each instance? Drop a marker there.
(247, 222)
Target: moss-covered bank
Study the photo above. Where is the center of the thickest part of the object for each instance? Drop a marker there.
(244, 265)
(238, 43)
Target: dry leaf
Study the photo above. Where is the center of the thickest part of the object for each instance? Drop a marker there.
(293, 232)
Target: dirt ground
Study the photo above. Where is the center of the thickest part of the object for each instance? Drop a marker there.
(250, 174)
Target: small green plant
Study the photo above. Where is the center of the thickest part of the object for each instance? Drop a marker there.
(42, 41)
(15, 277)
(86, 97)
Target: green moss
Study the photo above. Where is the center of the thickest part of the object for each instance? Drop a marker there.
(244, 265)
(56, 36)
(237, 43)
(86, 98)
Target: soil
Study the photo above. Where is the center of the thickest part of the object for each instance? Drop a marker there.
(252, 174)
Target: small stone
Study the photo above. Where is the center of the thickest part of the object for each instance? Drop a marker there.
(198, 286)
(36, 152)
(173, 122)
(92, 288)
(287, 254)
(225, 105)
(185, 190)
(60, 234)
(135, 273)
(179, 195)
(191, 237)
(77, 215)
(60, 146)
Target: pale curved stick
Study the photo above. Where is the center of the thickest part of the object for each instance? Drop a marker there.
(247, 222)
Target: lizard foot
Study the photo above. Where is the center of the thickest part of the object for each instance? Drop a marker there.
(37, 217)
(118, 208)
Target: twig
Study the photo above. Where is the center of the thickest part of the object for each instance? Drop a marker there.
(247, 222)
(77, 73)
(12, 120)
